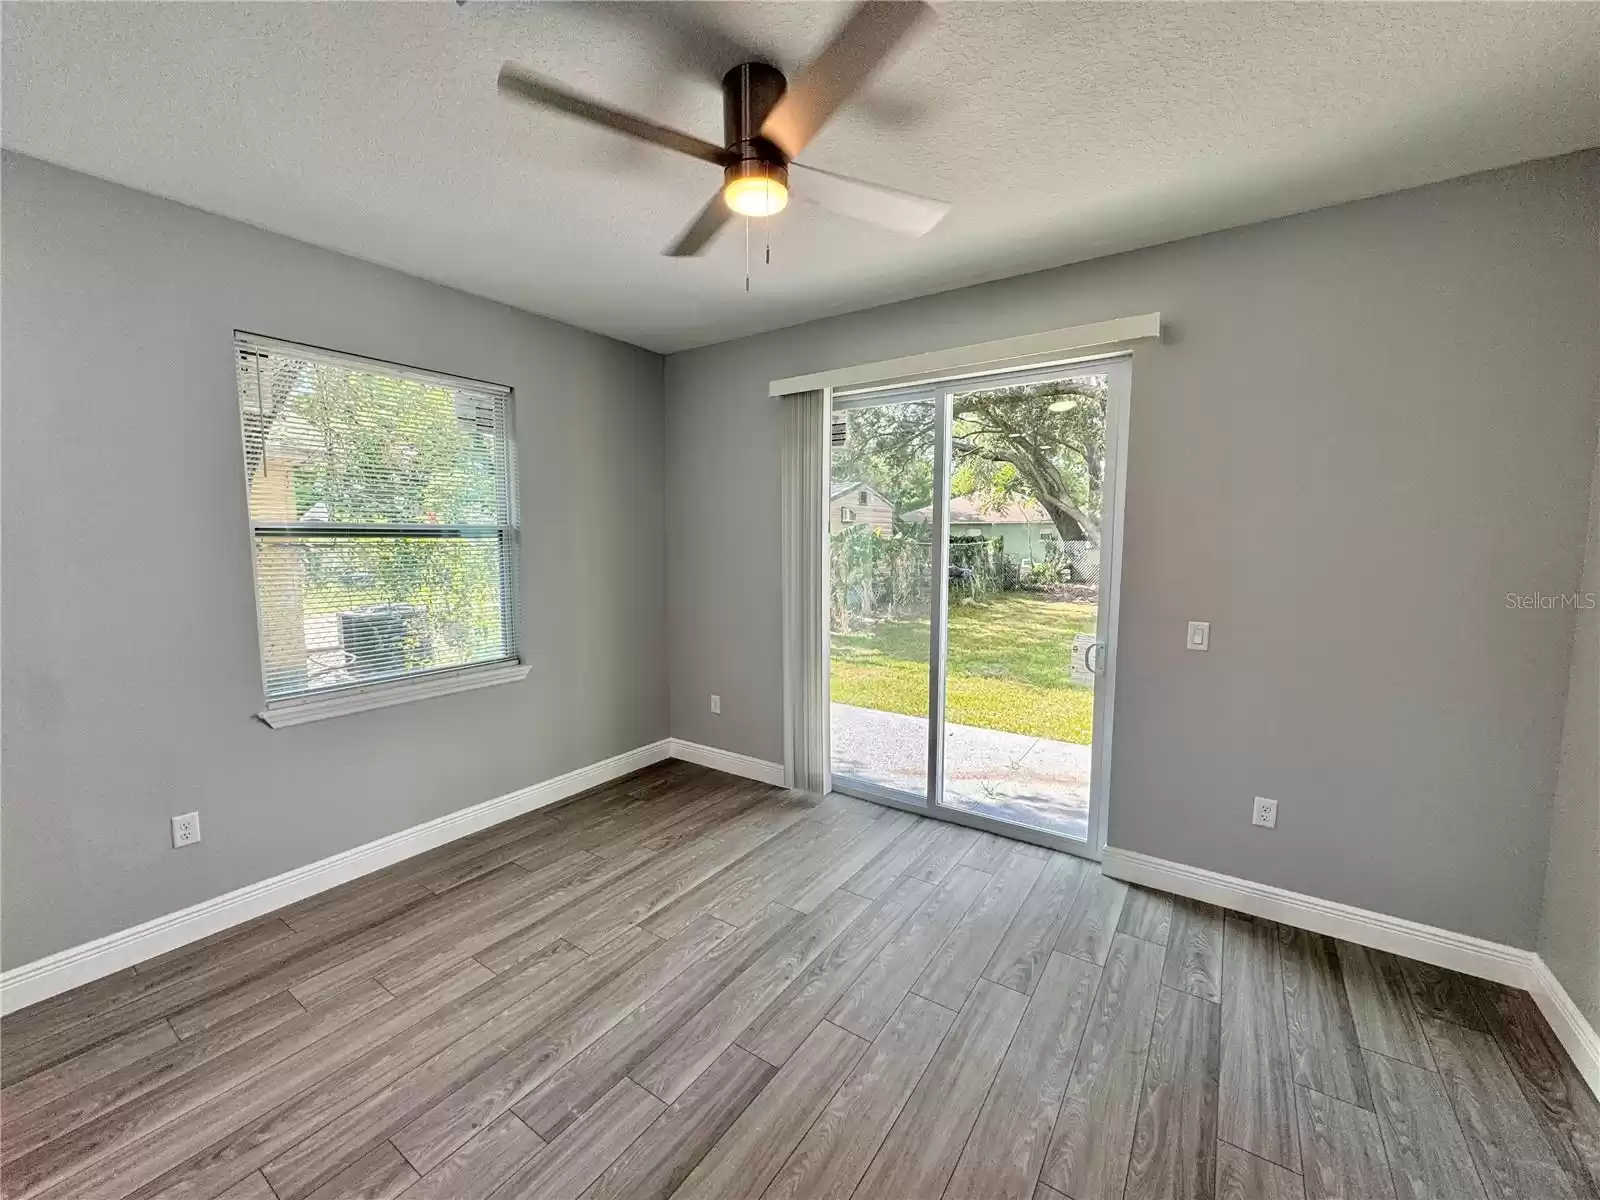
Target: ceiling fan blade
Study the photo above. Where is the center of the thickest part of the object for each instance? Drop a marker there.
(855, 51)
(525, 85)
(886, 207)
(706, 225)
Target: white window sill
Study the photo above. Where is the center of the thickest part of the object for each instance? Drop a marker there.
(382, 695)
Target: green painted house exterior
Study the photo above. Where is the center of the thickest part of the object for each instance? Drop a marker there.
(1024, 529)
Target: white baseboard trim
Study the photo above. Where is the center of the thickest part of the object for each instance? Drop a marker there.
(1426, 943)
(78, 965)
(1412, 939)
(726, 760)
(1571, 1026)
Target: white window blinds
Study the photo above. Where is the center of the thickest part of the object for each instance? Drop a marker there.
(383, 517)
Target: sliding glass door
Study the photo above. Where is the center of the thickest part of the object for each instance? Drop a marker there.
(880, 595)
(973, 554)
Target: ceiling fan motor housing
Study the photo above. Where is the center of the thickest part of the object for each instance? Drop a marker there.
(749, 92)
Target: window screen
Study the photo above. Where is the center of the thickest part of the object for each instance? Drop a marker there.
(382, 515)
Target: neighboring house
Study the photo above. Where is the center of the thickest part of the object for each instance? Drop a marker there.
(1024, 528)
(859, 504)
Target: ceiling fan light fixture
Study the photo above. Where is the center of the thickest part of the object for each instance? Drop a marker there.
(756, 189)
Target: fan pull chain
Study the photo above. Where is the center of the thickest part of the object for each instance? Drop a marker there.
(747, 254)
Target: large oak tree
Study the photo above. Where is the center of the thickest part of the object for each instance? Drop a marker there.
(1040, 442)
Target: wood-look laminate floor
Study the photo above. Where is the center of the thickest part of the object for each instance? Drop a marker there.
(688, 985)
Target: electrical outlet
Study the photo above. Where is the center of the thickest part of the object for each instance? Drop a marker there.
(1264, 813)
(185, 830)
(716, 704)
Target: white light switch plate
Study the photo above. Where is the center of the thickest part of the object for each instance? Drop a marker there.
(716, 704)
(1199, 635)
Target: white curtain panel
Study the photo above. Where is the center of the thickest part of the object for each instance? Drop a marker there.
(804, 477)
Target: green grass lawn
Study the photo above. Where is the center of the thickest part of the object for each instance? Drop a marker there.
(1010, 661)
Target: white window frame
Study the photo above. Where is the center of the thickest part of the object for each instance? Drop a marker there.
(353, 698)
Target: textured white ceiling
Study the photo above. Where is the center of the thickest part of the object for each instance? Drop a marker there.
(1060, 131)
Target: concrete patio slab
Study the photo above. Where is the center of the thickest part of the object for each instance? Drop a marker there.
(1013, 777)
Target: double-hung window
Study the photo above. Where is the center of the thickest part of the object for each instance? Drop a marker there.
(384, 529)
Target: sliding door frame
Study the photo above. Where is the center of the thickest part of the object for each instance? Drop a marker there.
(1119, 402)
(941, 393)
(938, 596)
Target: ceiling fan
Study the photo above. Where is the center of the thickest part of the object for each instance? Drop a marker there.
(766, 123)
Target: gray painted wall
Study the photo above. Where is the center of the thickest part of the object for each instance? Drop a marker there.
(1368, 424)
(1569, 934)
(130, 667)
